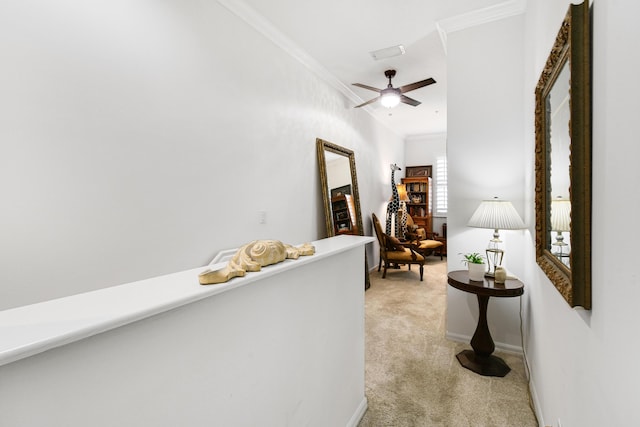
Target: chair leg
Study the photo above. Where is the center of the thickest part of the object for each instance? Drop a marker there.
(421, 271)
(384, 271)
(379, 263)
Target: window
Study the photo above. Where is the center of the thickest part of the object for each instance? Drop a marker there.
(441, 186)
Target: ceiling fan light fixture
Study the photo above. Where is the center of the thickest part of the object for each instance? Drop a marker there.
(389, 98)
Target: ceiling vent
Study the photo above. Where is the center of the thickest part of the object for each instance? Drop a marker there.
(388, 52)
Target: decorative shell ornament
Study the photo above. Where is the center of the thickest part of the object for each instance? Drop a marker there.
(252, 257)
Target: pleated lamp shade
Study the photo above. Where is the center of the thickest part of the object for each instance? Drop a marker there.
(496, 214)
(560, 215)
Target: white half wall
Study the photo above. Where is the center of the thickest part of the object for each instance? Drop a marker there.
(141, 138)
(279, 347)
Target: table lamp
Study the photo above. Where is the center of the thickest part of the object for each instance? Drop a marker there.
(498, 215)
(402, 193)
(560, 222)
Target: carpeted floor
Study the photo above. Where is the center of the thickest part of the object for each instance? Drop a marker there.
(412, 375)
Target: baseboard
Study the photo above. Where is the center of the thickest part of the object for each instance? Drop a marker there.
(357, 416)
(536, 403)
(373, 267)
(508, 348)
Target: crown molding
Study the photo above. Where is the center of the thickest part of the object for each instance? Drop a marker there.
(267, 29)
(478, 17)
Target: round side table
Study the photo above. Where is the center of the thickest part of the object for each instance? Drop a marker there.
(480, 360)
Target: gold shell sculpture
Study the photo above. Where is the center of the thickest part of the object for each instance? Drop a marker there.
(252, 257)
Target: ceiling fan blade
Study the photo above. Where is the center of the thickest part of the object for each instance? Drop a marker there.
(409, 101)
(417, 85)
(368, 102)
(367, 87)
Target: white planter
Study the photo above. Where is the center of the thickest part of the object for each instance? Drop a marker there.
(476, 272)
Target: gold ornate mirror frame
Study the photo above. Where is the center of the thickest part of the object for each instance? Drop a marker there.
(323, 148)
(572, 47)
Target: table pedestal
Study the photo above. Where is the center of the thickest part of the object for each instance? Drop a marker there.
(490, 366)
(480, 359)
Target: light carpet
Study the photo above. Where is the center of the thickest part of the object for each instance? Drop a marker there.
(412, 375)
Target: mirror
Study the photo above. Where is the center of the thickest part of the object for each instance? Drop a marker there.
(559, 140)
(339, 183)
(563, 160)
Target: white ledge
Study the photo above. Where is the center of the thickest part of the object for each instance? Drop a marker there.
(32, 329)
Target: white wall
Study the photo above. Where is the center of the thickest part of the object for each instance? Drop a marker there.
(423, 150)
(140, 138)
(584, 364)
(283, 349)
(338, 173)
(485, 152)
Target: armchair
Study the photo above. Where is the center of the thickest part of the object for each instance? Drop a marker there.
(427, 242)
(392, 252)
(416, 231)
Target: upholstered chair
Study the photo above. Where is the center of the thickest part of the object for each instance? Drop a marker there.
(392, 252)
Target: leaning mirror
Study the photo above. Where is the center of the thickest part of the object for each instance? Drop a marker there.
(339, 183)
(563, 160)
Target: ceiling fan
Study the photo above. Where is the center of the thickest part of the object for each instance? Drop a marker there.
(390, 97)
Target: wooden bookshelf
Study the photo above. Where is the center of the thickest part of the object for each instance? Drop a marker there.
(420, 205)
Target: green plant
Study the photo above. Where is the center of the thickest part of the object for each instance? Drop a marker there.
(472, 258)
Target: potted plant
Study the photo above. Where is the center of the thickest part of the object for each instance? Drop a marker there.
(475, 263)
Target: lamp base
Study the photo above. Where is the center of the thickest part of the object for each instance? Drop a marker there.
(494, 259)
